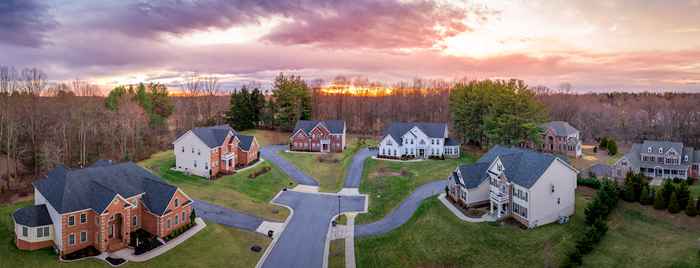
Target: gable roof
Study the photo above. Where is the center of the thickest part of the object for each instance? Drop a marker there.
(473, 175)
(433, 130)
(560, 128)
(334, 126)
(664, 145)
(213, 136)
(32, 216)
(245, 141)
(523, 167)
(95, 187)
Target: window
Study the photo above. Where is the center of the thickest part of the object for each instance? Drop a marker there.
(83, 237)
(195, 163)
(432, 141)
(558, 201)
(685, 158)
(177, 202)
(134, 221)
(83, 218)
(46, 231)
(71, 220)
(388, 142)
(183, 149)
(649, 150)
(167, 224)
(97, 220)
(199, 152)
(192, 149)
(25, 231)
(71, 239)
(177, 219)
(206, 165)
(183, 216)
(661, 150)
(552, 188)
(39, 232)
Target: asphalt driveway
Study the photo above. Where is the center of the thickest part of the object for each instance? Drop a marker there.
(403, 213)
(354, 175)
(271, 154)
(225, 216)
(302, 243)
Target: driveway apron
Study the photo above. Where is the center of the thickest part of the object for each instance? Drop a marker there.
(271, 154)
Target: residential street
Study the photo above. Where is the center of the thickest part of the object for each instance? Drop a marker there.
(225, 216)
(270, 153)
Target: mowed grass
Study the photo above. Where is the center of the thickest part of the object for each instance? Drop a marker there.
(636, 238)
(330, 173)
(268, 137)
(336, 254)
(236, 191)
(205, 249)
(434, 237)
(386, 184)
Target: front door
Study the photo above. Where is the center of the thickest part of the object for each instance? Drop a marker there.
(325, 147)
(421, 153)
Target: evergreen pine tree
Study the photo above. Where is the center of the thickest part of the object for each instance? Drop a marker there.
(683, 194)
(644, 196)
(673, 205)
(659, 202)
(690, 209)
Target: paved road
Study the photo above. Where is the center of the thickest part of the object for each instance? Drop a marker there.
(270, 153)
(302, 243)
(225, 216)
(403, 213)
(354, 175)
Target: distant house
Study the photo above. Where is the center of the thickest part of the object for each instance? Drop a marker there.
(659, 159)
(560, 137)
(209, 151)
(318, 136)
(99, 206)
(532, 187)
(417, 140)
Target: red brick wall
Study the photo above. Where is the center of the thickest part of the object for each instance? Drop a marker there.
(149, 222)
(245, 158)
(163, 221)
(314, 144)
(300, 137)
(216, 164)
(90, 227)
(24, 245)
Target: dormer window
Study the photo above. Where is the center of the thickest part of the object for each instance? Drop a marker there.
(649, 150)
(177, 203)
(661, 150)
(685, 159)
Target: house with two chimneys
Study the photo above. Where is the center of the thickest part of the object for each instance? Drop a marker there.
(417, 140)
(659, 160)
(99, 206)
(533, 188)
(210, 151)
(323, 136)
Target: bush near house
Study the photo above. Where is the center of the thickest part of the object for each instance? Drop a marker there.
(259, 172)
(590, 182)
(690, 209)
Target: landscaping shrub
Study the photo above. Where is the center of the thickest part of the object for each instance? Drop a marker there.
(647, 196)
(632, 189)
(193, 215)
(683, 194)
(659, 202)
(690, 209)
(673, 205)
(603, 143)
(666, 190)
(83, 253)
(259, 172)
(590, 182)
(147, 245)
(612, 147)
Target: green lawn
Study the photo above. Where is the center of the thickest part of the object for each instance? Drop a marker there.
(387, 183)
(205, 249)
(235, 191)
(336, 254)
(637, 238)
(267, 137)
(434, 237)
(329, 173)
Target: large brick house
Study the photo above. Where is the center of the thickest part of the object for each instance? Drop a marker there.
(533, 188)
(659, 160)
(99, 206)
(208, 151)
(318, 136)
(561, 138)
(417, 140)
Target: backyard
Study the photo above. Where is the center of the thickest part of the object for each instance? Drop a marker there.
(236, 191)
(387, 183)
(202, 250)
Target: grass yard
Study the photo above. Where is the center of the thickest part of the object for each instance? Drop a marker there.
(388, 183)
(205, 249)
(267, 137)
(330, 173)
(434, 237)
(638, 236)
(235, 191)
(336, 254)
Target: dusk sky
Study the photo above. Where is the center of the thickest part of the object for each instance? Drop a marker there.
(594, 45)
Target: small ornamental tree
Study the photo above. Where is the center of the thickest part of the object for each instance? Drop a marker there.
(612, 147)
(604, 143)
(666, 190)
(193, 215)
(683, 194)
(690, 210)
(659, 202)
(673, 205)
(644, 196)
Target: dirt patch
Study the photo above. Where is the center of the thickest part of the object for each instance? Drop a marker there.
(679, 220)
(586, 192)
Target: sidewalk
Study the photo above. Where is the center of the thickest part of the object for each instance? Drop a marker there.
(486, 218)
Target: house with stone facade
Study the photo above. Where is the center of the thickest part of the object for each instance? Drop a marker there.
(318, 136)
(561, 138)
(533, 188)
(210, 151)
(659, 160)
(99, 206)
(417, 140)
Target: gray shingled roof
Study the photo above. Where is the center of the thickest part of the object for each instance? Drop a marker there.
(432, 130)
(32, 216)
(213, 136)
(560, 128)
(451, 142)
(664, 145)
(523, 167)
(601, 170)
(473, 175)
(95, 187)
(246, 141)
(334, 126)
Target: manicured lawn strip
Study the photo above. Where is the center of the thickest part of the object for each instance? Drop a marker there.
(330, 176)
(202, 250)
(336, 254)
(267, 137)
(434, 237)
(381, 180)
(637, 239)
(236, 191)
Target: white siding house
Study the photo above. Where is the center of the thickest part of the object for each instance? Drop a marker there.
(192, 155)
(417, 140)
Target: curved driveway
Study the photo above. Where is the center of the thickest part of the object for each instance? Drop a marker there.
(354, 175)
(271, 154)
(403, 213)
(225, 216)
(302, 243)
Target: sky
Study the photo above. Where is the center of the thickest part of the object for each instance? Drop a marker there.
(603, 45)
